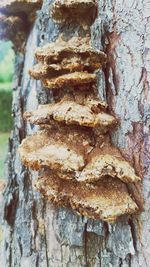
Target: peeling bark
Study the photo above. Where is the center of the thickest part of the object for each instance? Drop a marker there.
(38, 234)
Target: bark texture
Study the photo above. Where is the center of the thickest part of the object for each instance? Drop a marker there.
(38, 234)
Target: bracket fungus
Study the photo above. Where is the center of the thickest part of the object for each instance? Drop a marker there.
(67, 63)
(106, 200)
(72, 153)
(72, 113)
(75, 50)
(107, 160)
(43, 70)
(81, 11)
(63, 151)
(71, 80)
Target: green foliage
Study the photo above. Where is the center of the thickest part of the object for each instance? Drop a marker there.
(5, 110)
(6, 72)
(6, 86)
(6, 62)
(4, 48)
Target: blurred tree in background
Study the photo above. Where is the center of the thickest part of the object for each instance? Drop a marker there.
(6, 64)
(6, 74)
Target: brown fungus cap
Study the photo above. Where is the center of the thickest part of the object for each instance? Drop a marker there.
(106, 200)
(81, 11)
(63, 151)
(75, 51)
(43, 70)
(70, 112)
(108, 160)
(70, 80)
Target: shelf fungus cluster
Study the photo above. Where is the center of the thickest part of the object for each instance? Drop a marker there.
(15, 19)
(67, 63)
(79, 166)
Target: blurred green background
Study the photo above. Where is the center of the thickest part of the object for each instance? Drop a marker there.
(6, 74)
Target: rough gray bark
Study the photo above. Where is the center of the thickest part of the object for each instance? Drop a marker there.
(38, 234)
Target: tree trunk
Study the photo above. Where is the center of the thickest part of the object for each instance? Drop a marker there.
(37, 234)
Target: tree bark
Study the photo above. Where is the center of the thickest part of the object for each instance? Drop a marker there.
(37, 234)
